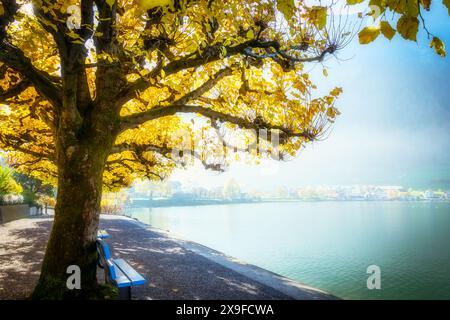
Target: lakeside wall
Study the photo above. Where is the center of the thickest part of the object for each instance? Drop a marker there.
(14, 212)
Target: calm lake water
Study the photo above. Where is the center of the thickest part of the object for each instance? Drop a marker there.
(328, 245)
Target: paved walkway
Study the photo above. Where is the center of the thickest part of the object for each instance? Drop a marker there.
(174, 268)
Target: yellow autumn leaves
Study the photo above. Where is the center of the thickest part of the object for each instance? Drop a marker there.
(150, 4)
(408, 27)
(316, 14)
(408, 23)
(286, 7)
(438, 46)
(369, 34)
(259, 90)
(387, 30)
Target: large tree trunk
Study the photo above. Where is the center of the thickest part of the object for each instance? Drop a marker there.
(84, 134)
(73, 236)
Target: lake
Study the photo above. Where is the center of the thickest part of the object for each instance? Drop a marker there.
(328, 245)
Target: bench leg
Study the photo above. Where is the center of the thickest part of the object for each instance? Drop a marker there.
(124, 293)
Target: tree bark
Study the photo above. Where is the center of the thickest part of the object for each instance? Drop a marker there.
(73, 236)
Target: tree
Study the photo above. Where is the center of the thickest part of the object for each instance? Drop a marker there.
(231, 189)
(98, 93)
(33, 189)
(7, 183)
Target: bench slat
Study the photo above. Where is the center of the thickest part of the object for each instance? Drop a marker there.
(120, 279)
(135, 278)
(119, 271)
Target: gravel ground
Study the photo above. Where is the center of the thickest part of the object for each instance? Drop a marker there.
(172, 271)
(22, 245)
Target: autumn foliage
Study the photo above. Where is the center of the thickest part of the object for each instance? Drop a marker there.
(95, 94)
(409, 18)
(235, 63)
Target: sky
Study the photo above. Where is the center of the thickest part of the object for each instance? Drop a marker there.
(394, 126)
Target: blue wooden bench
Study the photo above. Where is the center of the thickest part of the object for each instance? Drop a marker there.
(117, 271)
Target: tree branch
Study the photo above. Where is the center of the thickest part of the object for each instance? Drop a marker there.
(205, 87)
(15, 59)
(164, 151)
(16, 144)
(10, 8)
(132, 121)
(35, 154)
(54, 24)
(106, 26)
(87, 19)
(14, 91)
(119, 148)
(215, 53)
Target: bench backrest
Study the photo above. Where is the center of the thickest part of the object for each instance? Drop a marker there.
(103, 249)
(105, 258)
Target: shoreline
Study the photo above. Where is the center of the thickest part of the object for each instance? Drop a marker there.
(199, 203)
(288, 286)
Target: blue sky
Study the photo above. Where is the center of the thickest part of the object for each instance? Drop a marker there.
(394, 126)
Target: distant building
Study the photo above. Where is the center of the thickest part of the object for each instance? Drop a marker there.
(430, 195)
(392, 192)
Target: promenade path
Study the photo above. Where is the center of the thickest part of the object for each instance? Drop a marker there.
(174, 268)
